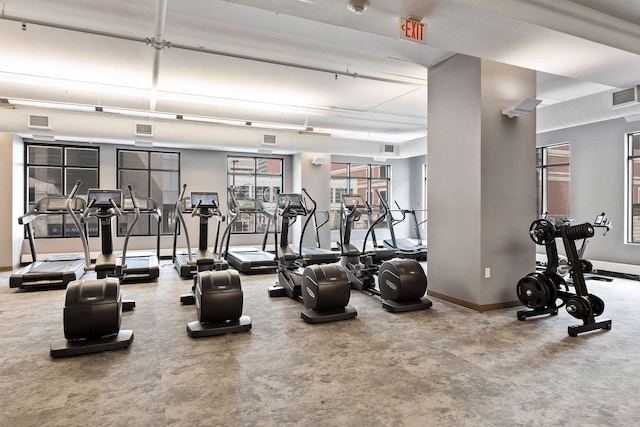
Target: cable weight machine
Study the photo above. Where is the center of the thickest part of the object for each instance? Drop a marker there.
(540, 291)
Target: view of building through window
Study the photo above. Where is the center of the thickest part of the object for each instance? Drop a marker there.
(553, 180)
(363, 179)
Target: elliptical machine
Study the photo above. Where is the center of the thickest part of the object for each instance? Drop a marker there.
(323, 288)
(402, 283)
(204, 205)
(541, 291)
(217, 293)
(93, 308)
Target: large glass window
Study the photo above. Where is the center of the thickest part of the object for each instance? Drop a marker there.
(363, 179)
(54, 170)
(256, 178)
(553, 180)
(152, 174)
(633, 188)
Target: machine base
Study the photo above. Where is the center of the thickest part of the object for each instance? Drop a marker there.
(399, 307)
(311, 316)
(65, 348)
(196, 329)
(578, 329)
(523, 314)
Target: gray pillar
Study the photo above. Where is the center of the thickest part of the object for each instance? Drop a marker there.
(12, 199)
(481, 178)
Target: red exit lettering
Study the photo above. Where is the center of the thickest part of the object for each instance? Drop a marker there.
(411, 29)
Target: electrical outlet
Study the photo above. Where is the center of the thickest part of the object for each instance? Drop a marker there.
(487, 273)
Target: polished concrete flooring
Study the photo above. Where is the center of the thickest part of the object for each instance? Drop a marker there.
(447, 366)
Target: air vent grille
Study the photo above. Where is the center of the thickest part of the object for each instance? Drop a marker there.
(39, 122)
(269, 140)
(389, 149)
(626, 97)
(144, 129)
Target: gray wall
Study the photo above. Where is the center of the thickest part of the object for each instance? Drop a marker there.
(481, 181)
(598, 183)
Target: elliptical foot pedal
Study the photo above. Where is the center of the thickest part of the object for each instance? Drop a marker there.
(343, 313)
(578, 329)
(128, 305)
(399, 307)
(196, 329)
(277, 291)
(188, 299)
(65, 348)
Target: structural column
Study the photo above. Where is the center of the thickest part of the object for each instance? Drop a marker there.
(482, 182)
(12, 199)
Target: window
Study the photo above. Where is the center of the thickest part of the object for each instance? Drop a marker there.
(553, 180)
(255, 178)
(633, 188)
(152, 174)
(54, 169)
(361, 179)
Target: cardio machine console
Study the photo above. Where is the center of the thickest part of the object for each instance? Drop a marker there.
(207, 200)
(353, 201)
(292, 203)
(102, 197)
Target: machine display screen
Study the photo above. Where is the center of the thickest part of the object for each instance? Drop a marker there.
(293, 200)
(102, 197)
(57, 203)
(600, 219)
(142, 204)
(353, 200)
(205, 199)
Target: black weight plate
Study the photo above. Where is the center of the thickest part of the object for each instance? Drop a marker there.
(597, 305)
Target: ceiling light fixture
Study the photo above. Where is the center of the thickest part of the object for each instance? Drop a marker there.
(358, 6)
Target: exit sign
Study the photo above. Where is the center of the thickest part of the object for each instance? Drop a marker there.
(412, 29)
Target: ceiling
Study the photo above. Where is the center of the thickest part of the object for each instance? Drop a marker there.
(346, 81)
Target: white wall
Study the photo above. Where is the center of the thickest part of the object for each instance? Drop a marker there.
(10, 231)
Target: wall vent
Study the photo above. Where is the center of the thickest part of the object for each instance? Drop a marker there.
(39, 122)
(144, 129)
(269, 140)
(626, 98)
(389, 149)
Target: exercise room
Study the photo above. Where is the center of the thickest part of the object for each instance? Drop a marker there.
(319, 212)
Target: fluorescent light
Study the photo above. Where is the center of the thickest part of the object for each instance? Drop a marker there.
(138, 113)
(277, 126)
(52, 105)
(215, 120)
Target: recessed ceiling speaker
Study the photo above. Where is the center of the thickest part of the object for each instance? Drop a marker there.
(358, 6)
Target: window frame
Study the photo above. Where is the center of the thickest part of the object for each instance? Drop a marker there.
(232, 174)
(542, 177)
(65, 185)
(149, 170)
(629, 188)
(349, 177)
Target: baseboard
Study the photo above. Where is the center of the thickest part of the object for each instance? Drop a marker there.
(477, 307)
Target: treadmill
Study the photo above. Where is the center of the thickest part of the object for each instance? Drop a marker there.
(310, 255)
(141, 266)
(54, 271)
(405, 248)
(249, 260)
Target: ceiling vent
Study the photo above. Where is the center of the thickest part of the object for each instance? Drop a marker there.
(626, 98)
(144, 129)
(39, 122)
(389, 149)
(269, 140)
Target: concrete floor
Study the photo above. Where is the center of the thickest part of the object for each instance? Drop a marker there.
(447, 366)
